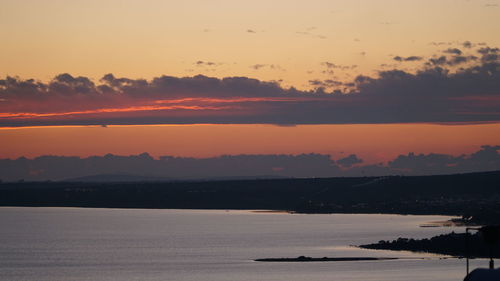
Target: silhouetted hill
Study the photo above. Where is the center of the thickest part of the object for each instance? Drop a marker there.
(123, 178)
(475, 195)
(117, 178)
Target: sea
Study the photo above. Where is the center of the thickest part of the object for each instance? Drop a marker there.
(212, 245)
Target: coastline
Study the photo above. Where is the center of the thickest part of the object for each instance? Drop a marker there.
(324, 259)
(453, 244)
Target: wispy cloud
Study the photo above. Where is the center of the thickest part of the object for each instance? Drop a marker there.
(310, 32)
(331, 65)
(270, 66)
(201, 63)
(410, 58)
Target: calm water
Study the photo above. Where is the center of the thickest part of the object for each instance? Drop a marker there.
(115, 244)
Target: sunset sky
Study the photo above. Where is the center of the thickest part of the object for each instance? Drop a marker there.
(202, 78)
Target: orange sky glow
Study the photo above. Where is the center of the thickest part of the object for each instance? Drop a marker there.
(377, 78)
(373, 143)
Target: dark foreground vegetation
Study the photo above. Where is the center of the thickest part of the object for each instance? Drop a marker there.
(453, 244)
(475, 197)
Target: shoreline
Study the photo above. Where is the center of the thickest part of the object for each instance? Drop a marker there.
(458, 197)
(457, 245)
(323, 259)
(256, 211)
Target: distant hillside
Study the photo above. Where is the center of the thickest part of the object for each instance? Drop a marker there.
(475, 195)
(123, 178)
(117, 178)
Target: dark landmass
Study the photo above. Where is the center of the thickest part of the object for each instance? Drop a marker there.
(126, 178)
(475, 197)
(324, 259)
(115, 178)
(452, 244)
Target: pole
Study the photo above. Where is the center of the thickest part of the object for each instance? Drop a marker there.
(467, 250)
(467, 253)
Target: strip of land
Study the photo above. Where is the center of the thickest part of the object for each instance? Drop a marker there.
(474, 197)
(324, 259)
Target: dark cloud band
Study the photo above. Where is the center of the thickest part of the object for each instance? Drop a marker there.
(304, 165)
(434, 93)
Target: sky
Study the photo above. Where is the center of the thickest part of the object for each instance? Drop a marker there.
(197, 78)
(373, 144)
(146, 39)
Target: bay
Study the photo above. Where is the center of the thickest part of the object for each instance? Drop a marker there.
(210, 245)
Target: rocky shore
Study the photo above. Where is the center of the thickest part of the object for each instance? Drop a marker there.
(452, 244)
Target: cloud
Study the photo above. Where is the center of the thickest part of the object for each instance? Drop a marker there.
(205, 63)
(454, 51)
(308, 32)
(488, 50)
(410, 58)
(486, 159)
(60, 168)
(349, 161)
(330, 68)
(441, 43)
(270, 66)
(438, 61)
(328, 83)
(467, 44)
(303, 165)
(451, 61)
(489, 54)
(438, 91)
(461, 59)
(331, 65)
(258, 66)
